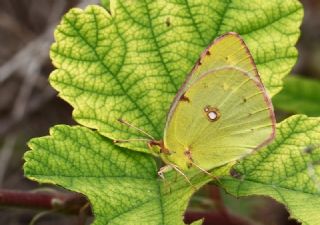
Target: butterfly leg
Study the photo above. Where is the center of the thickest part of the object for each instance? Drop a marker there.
(130, 140)
(124, 122)
(206, 172)
(170, 167)
(161, 172)
(175, 177)
(187, 153)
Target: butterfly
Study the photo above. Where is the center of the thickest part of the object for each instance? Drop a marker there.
(221, 113)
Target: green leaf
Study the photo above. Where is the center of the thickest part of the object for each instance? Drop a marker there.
(130, 64)
(299, 95)
(122, 185)
(288, 170)
(198, 222)
(106, 4)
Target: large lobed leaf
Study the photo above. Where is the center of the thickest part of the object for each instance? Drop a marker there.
(299, 95)
(288, 170)
(129, 64)
(122, 185)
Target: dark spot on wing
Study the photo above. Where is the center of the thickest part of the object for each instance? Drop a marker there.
(244, 100)
(208, 53)
(187, 153)
(184, 98)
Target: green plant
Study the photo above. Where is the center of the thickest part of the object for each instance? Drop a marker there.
(118, 62)
(299, 95)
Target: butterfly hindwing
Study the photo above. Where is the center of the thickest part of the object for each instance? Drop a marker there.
(223, 112)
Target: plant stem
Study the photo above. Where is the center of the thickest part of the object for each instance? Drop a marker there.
(65, 203)
(76, 204)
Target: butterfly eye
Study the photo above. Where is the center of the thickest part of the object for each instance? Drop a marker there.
(212, 113)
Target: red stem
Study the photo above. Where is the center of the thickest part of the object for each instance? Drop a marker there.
(215, 195)
(66, 203)
(76, 204)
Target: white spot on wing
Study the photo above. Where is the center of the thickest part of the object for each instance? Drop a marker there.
(212, 115)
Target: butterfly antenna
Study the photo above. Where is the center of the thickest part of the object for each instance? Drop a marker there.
(137, 128)
(129, 140)
(205, 171)
(185, 176)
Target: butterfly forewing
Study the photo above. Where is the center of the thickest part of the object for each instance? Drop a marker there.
(228, 50)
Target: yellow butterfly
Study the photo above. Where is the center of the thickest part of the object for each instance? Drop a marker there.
(221, 113)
